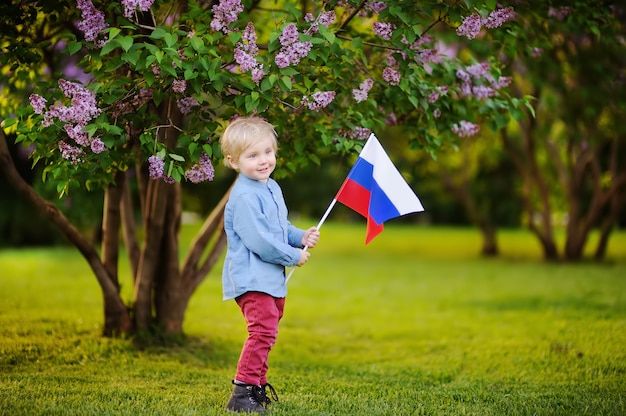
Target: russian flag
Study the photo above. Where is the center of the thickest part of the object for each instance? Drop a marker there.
(375, 189)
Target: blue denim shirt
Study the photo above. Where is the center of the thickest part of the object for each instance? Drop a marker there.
(261, 241)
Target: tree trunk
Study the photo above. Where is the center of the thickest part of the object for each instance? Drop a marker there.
(111, 220)
(128, 228)
(535, 188)
(149, 263)
(168, 312)
(117, 318)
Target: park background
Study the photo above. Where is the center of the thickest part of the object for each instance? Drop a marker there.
(466, 308)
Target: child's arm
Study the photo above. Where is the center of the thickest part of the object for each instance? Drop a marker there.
(251, 226)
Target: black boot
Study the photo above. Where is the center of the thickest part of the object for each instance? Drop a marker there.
(246, 398)
(265, 389)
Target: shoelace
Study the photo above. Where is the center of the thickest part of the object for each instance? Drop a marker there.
(272, 393)
(257, 393)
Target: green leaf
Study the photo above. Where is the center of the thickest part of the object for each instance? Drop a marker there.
(327, 34)
(196, 43)
(314, 158)
(73, 47)
(131, 58)
(267, 84)
(357, 43)
(158, 33)
(190, 74)
(113, 32)
(125, 42)
(170, 39)
(285, 83)
(108, 47)
(176, 157)
(289, 71)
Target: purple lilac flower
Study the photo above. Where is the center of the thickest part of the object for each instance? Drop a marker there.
(155, 167)
(483, 92)
(384, 30)
(82, 109)
(473, 81)
(186, 104)
(93, 20)
(291, 50)
(246, 52)
(76, 133)
(360, 133)
(257, 74)
(465, 129)
(391, 119)
(38, 103)
(435, 94)
(319, 100)
(430, 55)
(360, 94)
(71, 153)
(560, 13)
(436, 113)
(391, 76)
(478, 70)
(289, 35)
(498, 17)
(502, 82)
(225, 13)
(97, 146)
(376, 6)
(131, 5)
(324, 19)
(202, 171)
(84, 106)
(471, 26)
(327, 18)
(179, 85)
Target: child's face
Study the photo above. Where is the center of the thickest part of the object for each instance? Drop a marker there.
(257, 161)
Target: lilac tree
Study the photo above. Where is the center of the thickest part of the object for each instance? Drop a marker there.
(161, 78)
(569, 154)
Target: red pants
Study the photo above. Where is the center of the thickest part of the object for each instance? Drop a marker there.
(262, 313)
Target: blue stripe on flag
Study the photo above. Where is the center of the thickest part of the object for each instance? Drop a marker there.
(362, 173)
(381, 207)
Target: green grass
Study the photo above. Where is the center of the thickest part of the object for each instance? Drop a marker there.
(413, 324)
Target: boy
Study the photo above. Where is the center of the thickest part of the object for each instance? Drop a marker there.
(261, 242)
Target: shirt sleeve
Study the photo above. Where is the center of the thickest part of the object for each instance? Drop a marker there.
(295, 236)
(253, 229)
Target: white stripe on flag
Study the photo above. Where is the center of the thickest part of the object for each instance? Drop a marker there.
(389, 178)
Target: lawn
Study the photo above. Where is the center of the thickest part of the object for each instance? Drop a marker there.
(413, 324)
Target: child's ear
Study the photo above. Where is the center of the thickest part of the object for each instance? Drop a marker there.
(231, 162)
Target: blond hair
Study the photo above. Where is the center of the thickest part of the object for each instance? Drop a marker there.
(243, 132)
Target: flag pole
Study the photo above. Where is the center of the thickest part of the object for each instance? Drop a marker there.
(319, 225)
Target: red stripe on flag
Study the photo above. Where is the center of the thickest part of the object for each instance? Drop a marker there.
(354, 196)
(373, 229)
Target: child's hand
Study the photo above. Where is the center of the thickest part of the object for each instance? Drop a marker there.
(311, 237)
(304, 257)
